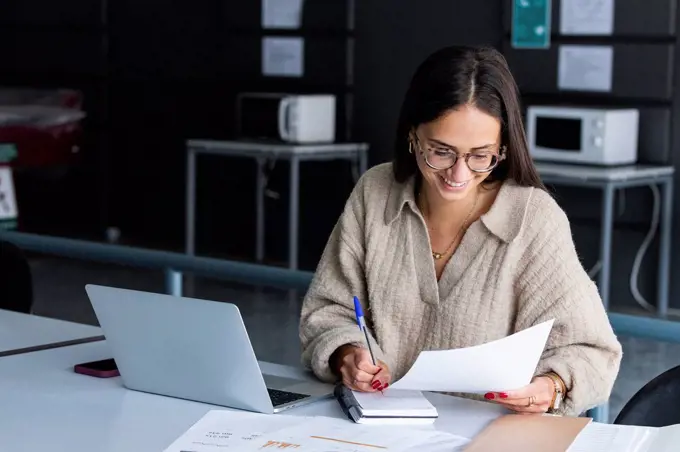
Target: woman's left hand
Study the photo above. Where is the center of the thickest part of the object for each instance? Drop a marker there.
(531, 399)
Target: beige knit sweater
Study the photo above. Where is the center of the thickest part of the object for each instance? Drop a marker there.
(515, 267)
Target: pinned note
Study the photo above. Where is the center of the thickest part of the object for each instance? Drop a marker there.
(587, 17)
(8, 204)
(585, 68)
(285, 14)
(283, 56)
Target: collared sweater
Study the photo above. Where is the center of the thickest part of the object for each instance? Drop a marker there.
(516, 266)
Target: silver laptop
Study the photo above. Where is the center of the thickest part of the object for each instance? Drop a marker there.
(192, 349)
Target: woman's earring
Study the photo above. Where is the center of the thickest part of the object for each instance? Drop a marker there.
(410, 147)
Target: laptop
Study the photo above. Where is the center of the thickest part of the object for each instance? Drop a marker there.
(192, 349)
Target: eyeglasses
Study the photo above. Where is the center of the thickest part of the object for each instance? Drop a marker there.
(477, 161)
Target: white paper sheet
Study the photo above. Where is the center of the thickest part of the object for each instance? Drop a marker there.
(221, 430)
(283, 56)
(501, 365)
(597, 437)
(587, 17)
(585, 68)
(8, 203)
(281, 13)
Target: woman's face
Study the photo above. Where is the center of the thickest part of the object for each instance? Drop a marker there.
(465, 131)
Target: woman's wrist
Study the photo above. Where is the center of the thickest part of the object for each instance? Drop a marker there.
(559, 391)
(336, 358)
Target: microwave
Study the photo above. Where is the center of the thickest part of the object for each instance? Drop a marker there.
(292, 118)
(594, 136)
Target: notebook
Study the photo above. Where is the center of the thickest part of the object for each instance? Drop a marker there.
(394, 406)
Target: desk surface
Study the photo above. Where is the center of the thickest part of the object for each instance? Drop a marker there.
(263, 148)
(549, 171)
(46, 406)
(23, 331)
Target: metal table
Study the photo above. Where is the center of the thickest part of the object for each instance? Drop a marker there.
(609, 180)
(356, 153)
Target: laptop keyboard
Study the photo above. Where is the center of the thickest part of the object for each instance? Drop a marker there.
(282, 397)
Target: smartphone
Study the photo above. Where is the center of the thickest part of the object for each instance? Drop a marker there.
(105, 368)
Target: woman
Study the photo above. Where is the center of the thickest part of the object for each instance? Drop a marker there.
(457, 243)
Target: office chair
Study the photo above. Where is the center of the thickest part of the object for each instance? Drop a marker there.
(657, 404)
(16, 281)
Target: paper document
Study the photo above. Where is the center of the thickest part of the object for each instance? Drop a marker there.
(283, 56)
(586, 17)
(281, 13)
(585, 68)
(598, 437)
(221, 430)
(8, 202)
(497, 366)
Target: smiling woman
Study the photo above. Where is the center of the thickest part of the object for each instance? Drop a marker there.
(456, 243)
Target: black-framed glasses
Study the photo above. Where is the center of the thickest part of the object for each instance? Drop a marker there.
(478, 161)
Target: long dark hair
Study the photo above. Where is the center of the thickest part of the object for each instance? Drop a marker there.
(457, 76)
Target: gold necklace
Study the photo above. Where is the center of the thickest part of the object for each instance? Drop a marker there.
(437, 255)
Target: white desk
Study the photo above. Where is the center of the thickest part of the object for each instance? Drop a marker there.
(46, 406)
(22, 333)
(262, 152)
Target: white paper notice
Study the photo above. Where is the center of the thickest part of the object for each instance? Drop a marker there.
(497, 366)
(281, 13)
(587, 17)
(585, 68)
(283, 56)
(242, 431)
(8, 203)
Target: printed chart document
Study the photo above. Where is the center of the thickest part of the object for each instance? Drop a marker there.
(221, 430)
(501, 365)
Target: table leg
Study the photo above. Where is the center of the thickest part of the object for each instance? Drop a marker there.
(190, 202)
(665, 247)
(606, 231)
(600, 413)
(293, 212)
(259, 203)
(363, 161)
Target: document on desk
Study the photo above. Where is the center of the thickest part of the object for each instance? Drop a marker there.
(598, 437)
(501, 365)
(221, 430)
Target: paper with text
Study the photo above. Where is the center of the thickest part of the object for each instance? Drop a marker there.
(501, 365)
(283, 56)
(281, 13)
(587, 17)
(585, 68)
(221, 430)
(598, 437)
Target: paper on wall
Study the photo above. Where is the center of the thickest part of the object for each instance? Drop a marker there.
(587, 17)
(221, 430)
(496, 366)
(281, 13)
(8, 203)
(283, 56)
(585, 68)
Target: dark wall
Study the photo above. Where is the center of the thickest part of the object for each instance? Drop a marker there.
(393, 37)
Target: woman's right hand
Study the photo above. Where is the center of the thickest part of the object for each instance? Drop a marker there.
(355, 366)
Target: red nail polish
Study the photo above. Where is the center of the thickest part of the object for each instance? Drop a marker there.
(489, 396)
(503, 395)
(375, 384)
(386, 385)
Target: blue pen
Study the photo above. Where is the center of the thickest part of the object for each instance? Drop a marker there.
(362, 326)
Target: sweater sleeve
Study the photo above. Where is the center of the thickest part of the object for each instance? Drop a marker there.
(582, 348)
(327, 319)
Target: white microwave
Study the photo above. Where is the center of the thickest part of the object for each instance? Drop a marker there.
(293, 118)
(593, 136)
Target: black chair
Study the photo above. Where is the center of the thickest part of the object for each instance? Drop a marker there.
(657, 404)
(16, 281)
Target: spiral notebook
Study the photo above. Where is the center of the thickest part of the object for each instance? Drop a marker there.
(393, 406)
